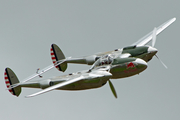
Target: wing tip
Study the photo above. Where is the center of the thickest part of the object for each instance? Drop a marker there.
(173, 19)
(29, 96)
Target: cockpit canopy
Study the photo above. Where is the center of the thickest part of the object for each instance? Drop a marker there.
(107, 59)
(104, 60)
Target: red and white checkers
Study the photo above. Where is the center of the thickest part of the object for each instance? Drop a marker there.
(53, 58)
(8, 84)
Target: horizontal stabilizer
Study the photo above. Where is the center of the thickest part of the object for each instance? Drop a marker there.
(40, 72)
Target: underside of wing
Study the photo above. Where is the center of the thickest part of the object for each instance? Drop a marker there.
(146, 39)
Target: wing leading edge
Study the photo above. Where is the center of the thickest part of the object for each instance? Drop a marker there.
(146, 39)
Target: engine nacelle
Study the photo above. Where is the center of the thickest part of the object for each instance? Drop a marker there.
(44, 83)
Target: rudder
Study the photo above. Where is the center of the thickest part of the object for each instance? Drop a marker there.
(10, 79)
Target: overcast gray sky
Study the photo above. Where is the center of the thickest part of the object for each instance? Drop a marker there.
(79, 27)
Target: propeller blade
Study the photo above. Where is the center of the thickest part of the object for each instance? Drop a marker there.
(154, 37)
(161, 62)
(112, 89)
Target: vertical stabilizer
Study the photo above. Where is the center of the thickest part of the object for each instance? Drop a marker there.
(10, 79)
(57, 55)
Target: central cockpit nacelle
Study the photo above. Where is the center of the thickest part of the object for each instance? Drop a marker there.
(104, 60)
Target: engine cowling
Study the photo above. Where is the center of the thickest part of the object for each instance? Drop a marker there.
(44, 83)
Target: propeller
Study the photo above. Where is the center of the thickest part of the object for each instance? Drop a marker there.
(154, 37)
(161, 62)
(110, 83)
(112, 89)
(153, 44)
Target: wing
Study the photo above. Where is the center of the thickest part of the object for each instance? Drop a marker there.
(56, 86)
(146, 39)
(83, 76)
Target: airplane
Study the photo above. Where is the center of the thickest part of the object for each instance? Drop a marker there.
(116, 64)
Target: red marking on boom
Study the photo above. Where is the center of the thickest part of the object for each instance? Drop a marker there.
(130, 65)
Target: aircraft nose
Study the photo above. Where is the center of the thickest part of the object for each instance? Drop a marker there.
(152, 50)
(141, 62)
